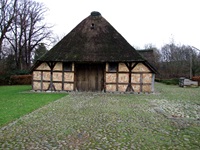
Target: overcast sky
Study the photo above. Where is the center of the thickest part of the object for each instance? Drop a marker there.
(140, 22)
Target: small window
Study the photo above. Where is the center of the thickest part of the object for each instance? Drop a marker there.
(112, 67)
(67, 66)
(92, 26)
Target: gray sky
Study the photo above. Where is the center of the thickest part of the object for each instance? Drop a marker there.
(140, 22)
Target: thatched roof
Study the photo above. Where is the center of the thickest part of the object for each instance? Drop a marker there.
(93, 40)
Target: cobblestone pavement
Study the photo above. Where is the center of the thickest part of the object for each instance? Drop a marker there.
(72, 123)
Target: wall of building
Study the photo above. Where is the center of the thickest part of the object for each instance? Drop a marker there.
(62, 80)
(141, 78)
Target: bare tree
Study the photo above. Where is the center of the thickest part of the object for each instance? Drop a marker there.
(27, 31)
(7, 15)
(179, 60)
(149, 46)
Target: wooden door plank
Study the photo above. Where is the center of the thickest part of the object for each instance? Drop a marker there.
(89, 77)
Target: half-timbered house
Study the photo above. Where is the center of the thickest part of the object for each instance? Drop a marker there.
(93, 57)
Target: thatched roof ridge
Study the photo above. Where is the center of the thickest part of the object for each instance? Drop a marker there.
(93, 40)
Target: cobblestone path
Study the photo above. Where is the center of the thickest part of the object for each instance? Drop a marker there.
(100, 121)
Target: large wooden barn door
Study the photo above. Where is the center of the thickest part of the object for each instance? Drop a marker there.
(89, 77)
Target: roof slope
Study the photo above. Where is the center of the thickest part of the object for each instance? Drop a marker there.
(148, 54)
(93, 40)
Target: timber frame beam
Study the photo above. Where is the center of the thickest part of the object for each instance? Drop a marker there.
(51, 85)
(130, 67)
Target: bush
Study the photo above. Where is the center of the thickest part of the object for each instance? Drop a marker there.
(21, 79)
(6, 77)
(20, 72)
(174, 81)
(3, 81)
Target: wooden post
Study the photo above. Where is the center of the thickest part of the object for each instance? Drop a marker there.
(104, 77)
(130, 67)
(141, 82)
(75, 76)
(63, 76)
(51, 85)
(41, 83)
(117, 77)
(152, 82)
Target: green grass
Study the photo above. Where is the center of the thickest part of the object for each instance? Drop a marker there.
(14, 103)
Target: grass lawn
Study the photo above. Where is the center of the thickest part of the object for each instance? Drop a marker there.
(168, 119)
(14, 103)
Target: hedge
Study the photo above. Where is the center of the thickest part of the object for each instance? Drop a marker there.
(20, 79)
(196, 78)
(174, 81)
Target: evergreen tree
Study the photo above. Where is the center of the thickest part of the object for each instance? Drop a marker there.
(41, 50)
